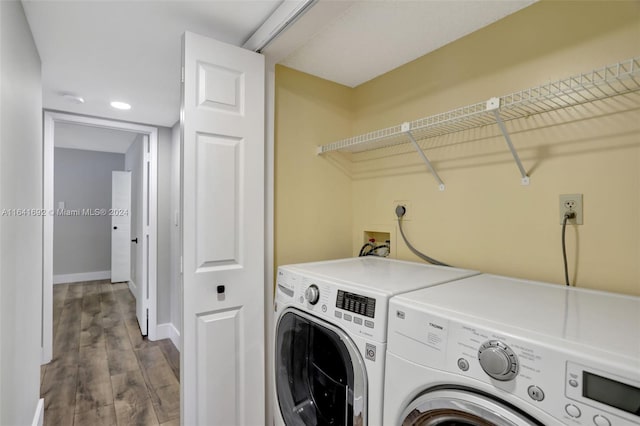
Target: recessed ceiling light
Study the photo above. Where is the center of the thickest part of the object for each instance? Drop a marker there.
(73, 98)
(120, 105)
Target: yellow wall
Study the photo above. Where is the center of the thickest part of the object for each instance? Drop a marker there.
(485, 219)
(312, 194)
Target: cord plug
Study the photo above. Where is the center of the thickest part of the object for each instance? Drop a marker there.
(569, 215)
(400, 211)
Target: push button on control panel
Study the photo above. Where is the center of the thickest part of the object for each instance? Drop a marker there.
(536, 393)
(368, 323)
(573, 383)
(347, 317)
(357, 320)
(463, 364)
(573, 411)
(338, 314)
(599, 420)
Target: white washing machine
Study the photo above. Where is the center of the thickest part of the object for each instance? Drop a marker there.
(490, 350)
(330, 336)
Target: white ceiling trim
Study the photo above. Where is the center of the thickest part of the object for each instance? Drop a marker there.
(283, 17)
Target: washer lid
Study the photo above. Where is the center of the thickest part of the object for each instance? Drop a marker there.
(386, 276)
(462, 408)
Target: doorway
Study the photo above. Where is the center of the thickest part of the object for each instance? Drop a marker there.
(148, 236)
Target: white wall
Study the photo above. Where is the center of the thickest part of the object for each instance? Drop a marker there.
(21, 237)
(82, 180)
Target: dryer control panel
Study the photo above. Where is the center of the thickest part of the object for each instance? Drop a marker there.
(339, 304)
(574, 386)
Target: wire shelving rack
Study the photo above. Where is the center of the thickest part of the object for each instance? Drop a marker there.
(601, 83)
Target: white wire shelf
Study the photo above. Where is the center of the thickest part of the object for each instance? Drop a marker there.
(601, 83)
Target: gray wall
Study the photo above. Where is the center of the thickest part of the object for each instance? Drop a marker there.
(82, 179)
(20, 237)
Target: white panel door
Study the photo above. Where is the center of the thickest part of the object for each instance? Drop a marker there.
(120, 226)
(222, 361)
(141, 240)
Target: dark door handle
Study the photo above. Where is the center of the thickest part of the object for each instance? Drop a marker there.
(115, 227)
(135, 240)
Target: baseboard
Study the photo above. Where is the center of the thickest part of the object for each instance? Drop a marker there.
(169, 331)
(38, 417)
(83, 276)
(132, 286)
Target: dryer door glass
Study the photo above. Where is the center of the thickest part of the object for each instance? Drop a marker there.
(315, 377)
(461, 407)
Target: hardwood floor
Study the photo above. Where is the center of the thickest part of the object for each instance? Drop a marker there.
(103, 372)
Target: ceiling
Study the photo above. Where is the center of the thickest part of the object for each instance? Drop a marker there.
(104, 50)
(371, 38)
(129, 50)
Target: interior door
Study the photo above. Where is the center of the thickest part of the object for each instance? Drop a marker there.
(120, 226)
(222, 361)
(140, 241)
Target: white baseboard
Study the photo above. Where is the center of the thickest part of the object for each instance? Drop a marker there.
(169, 331)
(132, 287)
(38, 417)
(83, 276)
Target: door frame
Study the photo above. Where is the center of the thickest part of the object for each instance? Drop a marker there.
(50, 119)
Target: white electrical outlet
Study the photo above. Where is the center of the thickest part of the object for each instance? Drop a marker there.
(571, 203)
(408, 215)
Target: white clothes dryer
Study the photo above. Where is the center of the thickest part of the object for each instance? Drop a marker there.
(490, 350)
(331, 333)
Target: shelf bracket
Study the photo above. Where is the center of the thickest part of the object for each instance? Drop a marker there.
(406, 129)
(493, 105)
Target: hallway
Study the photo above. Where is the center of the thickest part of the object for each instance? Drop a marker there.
(103, 372)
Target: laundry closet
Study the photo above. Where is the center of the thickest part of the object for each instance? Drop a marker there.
(486, 219)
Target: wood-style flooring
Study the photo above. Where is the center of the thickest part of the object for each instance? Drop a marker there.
(103, 372)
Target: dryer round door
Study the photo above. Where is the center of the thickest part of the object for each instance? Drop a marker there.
(449, 407)
(320, 374)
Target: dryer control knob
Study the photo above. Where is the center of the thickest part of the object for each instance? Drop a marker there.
(498, 360)
(312, 294)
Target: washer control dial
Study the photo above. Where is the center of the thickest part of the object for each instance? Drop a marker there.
(498, 360)
(312, 294)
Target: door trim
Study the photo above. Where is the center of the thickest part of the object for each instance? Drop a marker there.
(50, 119)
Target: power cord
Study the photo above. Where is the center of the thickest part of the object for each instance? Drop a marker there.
(400, 212)
(567, 216)
(363, 251)
(380, 250)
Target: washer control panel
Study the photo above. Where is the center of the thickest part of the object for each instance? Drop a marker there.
(498, 360)
(349, 308)
(356, 303)
(312, 294)
(561, 381)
